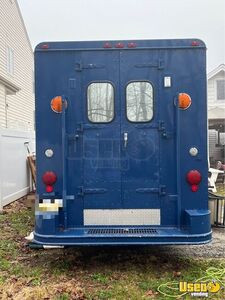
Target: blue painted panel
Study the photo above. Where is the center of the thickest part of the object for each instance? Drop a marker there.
(99, 171)
(140, 180)
(101, 156)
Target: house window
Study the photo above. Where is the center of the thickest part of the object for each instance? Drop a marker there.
(220, 85)
(10, 60)
(100, 102)
(139, 95)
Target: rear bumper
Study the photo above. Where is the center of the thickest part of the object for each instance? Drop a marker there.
(197, 230)
(163, 236)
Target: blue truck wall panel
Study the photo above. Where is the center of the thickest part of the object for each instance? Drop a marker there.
(109, 190)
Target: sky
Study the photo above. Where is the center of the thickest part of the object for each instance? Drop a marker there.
(62, 20)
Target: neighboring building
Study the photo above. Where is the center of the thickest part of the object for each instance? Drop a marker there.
(216, 114)
(16, 70)
(16, 103)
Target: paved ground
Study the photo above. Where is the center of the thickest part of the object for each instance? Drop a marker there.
(215, 249)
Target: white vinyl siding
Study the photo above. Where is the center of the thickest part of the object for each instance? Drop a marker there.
(220, 88)
(2, 106)
(213, 101)
(211, 97)
(214, 150)
(10, 60)
(16, 68)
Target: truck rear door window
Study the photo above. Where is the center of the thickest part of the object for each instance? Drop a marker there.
(139, 101)
(100, 97)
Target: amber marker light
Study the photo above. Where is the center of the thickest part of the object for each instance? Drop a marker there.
(184, 101)
(57, 103)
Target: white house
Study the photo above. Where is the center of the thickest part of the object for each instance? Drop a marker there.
(16, 102)
(216, 113)
(16, 69)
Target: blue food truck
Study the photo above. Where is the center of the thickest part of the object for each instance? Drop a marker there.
(121, 132)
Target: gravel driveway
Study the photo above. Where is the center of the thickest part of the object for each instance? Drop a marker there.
(215, 249)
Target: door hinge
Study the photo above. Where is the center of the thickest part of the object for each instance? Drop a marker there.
(158, 64)
(82, 191)
(161, 126)
(162, 129)
(79, 67)
(161, 190)
(81, 127)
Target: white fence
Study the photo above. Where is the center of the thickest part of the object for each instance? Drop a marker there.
(14, 173)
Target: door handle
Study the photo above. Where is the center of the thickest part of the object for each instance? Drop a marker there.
(125, 139)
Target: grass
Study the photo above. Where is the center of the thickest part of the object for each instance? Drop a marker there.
(101, 278)
(86, 273)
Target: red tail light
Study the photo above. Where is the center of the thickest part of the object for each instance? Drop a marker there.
(194, 178)
(49, 188)
(49, 178)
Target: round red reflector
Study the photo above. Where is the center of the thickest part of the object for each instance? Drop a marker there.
(49, 188)
(49, 178)
(194, 177)
(194, 188)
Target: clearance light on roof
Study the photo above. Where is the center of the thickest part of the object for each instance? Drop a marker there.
(107, 45)
(195, 43)
(44, 46)
(119, 45)
(194, 178)
(131, 45)
(184, 101)
(57, 104)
